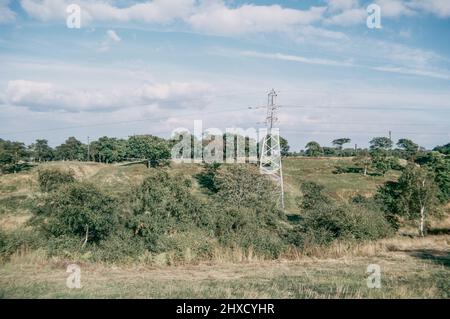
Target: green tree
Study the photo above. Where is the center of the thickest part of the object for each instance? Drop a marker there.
(41, 151)
(77, 210)
(363, 160)
(381, 143)
(408, 148)
(152, 148)
(414, 196)
(418, 194)
(284, 146)
(439, 164)
(445, 149)
(11, 153)
(380, 152)
(338, 143)
(71, 150)
(313, 149)
(108, 150)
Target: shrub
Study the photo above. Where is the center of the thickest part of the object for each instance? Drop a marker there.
(17, 240)
(340, 221)
(312, 195)
(162, 205)
(77, 209)
(246, 214)
(51, 179)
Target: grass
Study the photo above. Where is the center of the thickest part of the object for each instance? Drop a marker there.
(411, 267)
(420, 271)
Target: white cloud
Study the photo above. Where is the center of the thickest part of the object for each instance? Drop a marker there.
(156, 11)
(113, 36)
(44, 96)
(341, 5)
(294, 58)
(6, 14)
(417, 72)
(394, 8)
(348, 17)
(440, 8)
(218, 18)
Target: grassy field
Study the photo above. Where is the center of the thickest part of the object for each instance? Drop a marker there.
(411, 267)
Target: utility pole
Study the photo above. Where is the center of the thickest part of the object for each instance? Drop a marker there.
(270, 157)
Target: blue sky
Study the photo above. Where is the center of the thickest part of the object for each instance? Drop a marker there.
(138, 67)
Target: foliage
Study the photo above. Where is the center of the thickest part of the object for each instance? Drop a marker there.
(440, 166)
(11, 153)
(363, 160)
(77, 210)
(445, 149)
(284, 146)
(381, 143)
(313, 149)
(163, 205)
(246, 214)
(51, 179)
(108, 150)
(413, 197)
(152, 148)
(312, 195)
(71, 150)
(409, 148)
(206, 178)
(41, 151)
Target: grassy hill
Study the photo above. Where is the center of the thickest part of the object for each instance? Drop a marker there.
(411, 267)
(117, 179)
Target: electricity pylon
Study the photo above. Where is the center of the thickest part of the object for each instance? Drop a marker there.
(270, 156)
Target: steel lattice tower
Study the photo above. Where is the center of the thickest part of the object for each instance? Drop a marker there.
(270, 156)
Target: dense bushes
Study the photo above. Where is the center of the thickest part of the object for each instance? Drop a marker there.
(77, 209)
(163, 218)
(163, 205)
(325, 220)
(50, 179)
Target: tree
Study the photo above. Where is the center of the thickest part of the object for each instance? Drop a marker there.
(108, 150)
(340, 142)
(313, 149)
(71, 150)
(363, 160)
(408, 148)
(152, 148)
(41, 151)
(379, 151)
(11, 153)
(417, 194)
(381, 143)
(445, 149)
(439, 164)
(284, 146)
(77, 210)
(414, 196)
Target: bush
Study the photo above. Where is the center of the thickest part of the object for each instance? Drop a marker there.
(340, 221)
(17, 240)
(247, 215)
(162, 205)
(51, 179)
(312, 195)
(79, 210)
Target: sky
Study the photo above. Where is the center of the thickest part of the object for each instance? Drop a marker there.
(150, 67)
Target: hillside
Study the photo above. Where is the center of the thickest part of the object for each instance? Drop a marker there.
(411, 267)
(117, 179)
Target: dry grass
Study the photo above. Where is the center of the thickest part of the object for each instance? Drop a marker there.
(411, 268)
(342, 274)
